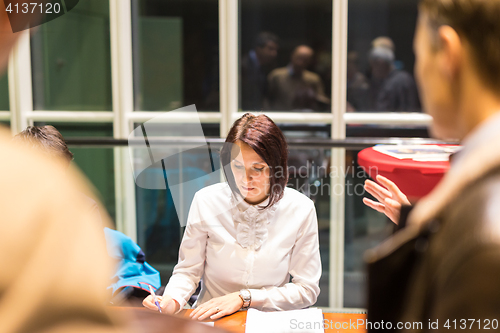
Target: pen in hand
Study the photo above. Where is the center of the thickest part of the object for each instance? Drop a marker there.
(154, 298)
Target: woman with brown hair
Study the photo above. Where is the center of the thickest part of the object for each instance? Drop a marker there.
(247, 236)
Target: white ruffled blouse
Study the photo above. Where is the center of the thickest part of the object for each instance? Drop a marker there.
(252, 220)
(233, 245)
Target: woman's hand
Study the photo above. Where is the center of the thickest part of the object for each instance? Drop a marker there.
(167, 304)
(218, 307)
(390, 199)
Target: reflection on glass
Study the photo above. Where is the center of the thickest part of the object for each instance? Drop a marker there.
(176, 54)
(97, 164)
(167, 188)
(380, 59)
(166, 130)
(285, 55)
(160, 209)
(306, 131)
(364, 229)
(71, 60)
(387, 131)
(4, 93)
(308, 174)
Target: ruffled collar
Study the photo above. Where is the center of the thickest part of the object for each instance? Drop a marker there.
(252, 221)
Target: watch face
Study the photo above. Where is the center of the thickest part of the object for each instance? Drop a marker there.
(245, 293)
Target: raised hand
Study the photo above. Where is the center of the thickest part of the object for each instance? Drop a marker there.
(389, 196)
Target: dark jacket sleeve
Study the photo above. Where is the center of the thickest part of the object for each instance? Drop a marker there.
(472, 291)
(468, 283)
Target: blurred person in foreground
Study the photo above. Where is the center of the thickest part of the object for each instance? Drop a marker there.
(50, 141)
(55, 266)
(51, 280)
(444, 265)
(55, 269)
(132, 272)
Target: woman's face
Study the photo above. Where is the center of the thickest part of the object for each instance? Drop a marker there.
(251, 173)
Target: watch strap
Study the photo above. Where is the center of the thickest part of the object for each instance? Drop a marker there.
(246, 298)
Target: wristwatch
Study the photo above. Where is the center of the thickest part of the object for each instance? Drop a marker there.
(246, 297)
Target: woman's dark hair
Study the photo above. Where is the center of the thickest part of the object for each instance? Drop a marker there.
(267, 140)
(47, 138)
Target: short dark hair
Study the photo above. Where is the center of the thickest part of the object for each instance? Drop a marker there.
(46, 138)
(264, 37)
(478, 21)
(267, 140)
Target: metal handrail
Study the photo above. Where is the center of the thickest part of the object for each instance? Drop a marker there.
(349, 143)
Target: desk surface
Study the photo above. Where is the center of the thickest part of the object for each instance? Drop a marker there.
(333, 322)
(144, 320)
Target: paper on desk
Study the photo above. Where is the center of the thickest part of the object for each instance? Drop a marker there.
(295, 321)
(208, 323)
(421, 153)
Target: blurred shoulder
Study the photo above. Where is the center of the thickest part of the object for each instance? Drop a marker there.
(476, 212)
(311, 76)
(279, 72)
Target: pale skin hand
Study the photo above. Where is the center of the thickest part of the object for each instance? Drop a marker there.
(389, 196)
(227, 305)
(167, 304)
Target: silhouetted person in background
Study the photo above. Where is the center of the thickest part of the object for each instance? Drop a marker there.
(390, 89)
(357, 85)
(294, 87)
(255, 67)
(384, 41)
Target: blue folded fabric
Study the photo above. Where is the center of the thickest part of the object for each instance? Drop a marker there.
(132, 270)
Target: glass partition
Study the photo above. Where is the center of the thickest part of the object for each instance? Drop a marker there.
(97, 164)
(364, 229)
(4, 93)
(176, 54)
(380, 56)
(71, 60)
(285, 55)
(311, 172)
(166, 179)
